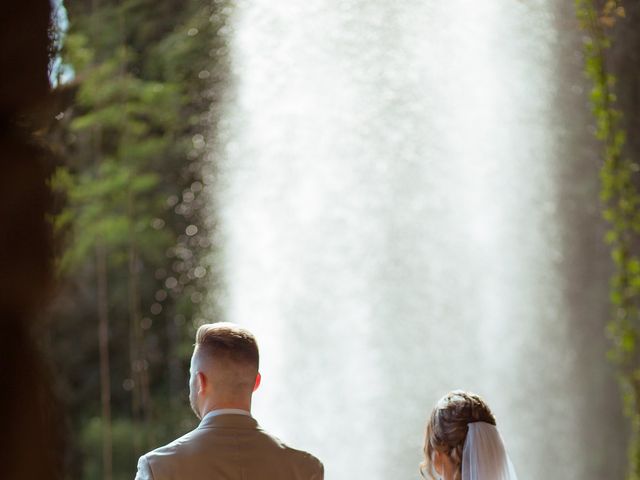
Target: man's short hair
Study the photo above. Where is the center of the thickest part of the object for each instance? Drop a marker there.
(228, 341)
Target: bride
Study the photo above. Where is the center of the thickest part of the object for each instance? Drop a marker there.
(463, 443)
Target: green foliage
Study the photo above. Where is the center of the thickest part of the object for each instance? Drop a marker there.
(620, 196)
(76, 51)
(125, 439)
(144, 80)
(97, 210)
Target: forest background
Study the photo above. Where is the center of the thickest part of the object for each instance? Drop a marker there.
(137, 97)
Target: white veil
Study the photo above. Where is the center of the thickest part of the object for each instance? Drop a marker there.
(484, 456)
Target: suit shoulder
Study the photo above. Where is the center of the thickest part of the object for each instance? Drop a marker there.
(308, 463)
(162, 462)
(300, 453)
(301, 457)
(307, 457)
(174, 447)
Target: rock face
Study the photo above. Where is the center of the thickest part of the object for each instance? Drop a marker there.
(624, 62)
(25, 248)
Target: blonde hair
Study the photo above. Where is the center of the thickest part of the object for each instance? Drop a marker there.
(228, 341)
(448, 425)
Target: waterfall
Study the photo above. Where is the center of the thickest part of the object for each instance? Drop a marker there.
(407, 204)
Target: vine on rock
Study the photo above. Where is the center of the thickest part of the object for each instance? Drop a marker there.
(620, 198)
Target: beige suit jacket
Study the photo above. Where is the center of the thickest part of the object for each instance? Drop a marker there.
(228, 447)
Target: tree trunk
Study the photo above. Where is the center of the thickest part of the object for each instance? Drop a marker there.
(140, 363)
(173, 363)
(103, 342)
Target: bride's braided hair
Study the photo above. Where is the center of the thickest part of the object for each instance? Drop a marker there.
(448, 426)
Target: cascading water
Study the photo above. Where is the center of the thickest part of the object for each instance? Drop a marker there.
(394, 223)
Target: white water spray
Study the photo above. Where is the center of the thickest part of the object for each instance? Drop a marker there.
(389, 226)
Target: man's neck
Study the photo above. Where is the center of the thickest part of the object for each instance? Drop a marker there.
(226, 411)
(214, 405)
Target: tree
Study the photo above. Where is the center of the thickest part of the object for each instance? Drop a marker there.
(132, 132)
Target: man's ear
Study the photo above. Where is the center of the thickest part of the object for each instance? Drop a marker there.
(202, 382)
(258, 380)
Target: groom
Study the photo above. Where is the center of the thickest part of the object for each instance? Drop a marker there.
(228, 443)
